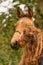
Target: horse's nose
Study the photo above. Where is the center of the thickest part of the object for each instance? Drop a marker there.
(15, 45)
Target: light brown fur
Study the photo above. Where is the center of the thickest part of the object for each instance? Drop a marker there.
(31, 53)
(28, 37)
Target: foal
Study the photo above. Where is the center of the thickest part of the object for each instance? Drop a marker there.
(28, 37)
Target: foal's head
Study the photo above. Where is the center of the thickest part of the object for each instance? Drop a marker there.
(23, 28)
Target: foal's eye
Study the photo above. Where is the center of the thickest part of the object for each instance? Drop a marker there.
(24, 31)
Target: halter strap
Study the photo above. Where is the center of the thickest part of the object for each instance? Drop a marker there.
(18, 31)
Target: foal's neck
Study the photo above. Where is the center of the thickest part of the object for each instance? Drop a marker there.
(28, 56)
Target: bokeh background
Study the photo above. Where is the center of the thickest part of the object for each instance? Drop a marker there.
(8, 56)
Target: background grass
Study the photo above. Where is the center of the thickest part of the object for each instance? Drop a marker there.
(7, 55)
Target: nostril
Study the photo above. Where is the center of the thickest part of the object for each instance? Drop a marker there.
(15, 45)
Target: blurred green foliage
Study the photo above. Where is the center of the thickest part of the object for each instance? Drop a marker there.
(8, 55)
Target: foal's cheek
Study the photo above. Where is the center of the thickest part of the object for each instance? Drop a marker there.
(22, 44)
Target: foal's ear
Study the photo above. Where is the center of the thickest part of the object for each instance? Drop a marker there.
(30, 13)
(19, 12)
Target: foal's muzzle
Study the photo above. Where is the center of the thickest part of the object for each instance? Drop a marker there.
(15, 45)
